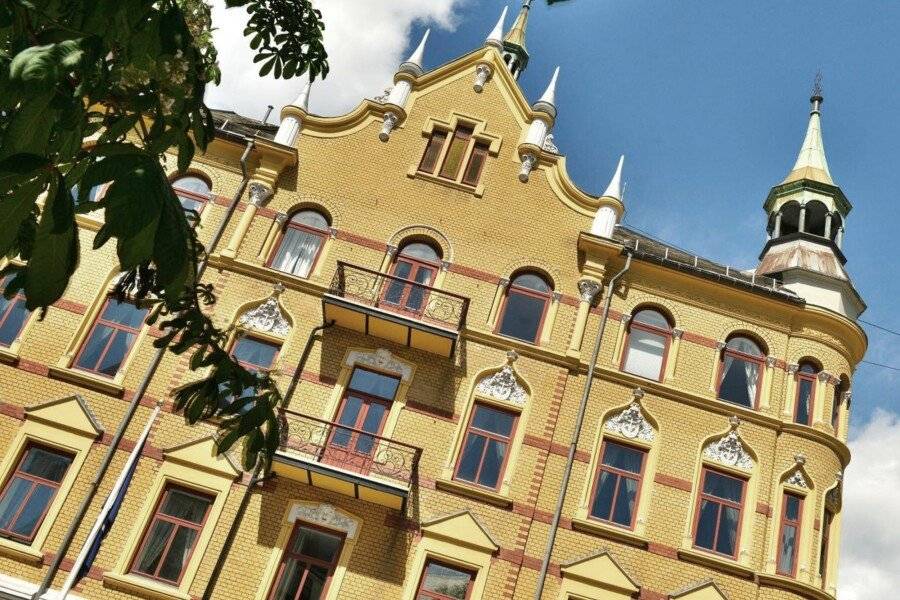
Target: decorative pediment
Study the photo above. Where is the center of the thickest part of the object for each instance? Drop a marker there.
(463, 529)
(503, 385)
(382, 360)
(601, 570)
(202, 454)
(326, 515)
(797, 479)
(631, 424)
(267, 317)
(705, 590)
(71, 413)
(729, 450)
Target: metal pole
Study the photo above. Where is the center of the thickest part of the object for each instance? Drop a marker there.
(66, 542)
(579, 421)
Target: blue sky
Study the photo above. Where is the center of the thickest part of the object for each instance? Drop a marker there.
(708, 100)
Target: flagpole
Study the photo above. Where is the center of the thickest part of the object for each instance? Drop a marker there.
(107, 506)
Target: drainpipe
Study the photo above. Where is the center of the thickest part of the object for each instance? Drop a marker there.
(257, 472)
(579, 421)
(94, 485)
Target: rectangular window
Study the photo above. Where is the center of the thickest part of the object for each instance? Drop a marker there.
(789, 536)
(13, 315)
(432, 151)
(455, 152)
(110, 340)
(805, 388)
(169, 541)
(485, 446)
(444, 582)
(29, 491)
(307, 565)
(823, 549)
(719, 506)
(836, 408)
(618, 484)
(476, 164)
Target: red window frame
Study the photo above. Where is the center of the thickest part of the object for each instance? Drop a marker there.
(721, 502)
(439, 139)
(416, 265)
(516, 289)
(35, 481)
(811, 378)
(639, 477)
(490, 436)
(480, 150)
(759, 360)
(795, 523)
(665, 333)
(19, 297)
(827, 521)
(158, 515)
(113, 325)
(438, 145)
(421, 592)
(287, 554)
(249, 365)
(322, 234)
(201, 198)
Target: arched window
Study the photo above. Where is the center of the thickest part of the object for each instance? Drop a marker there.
(525, 307)
(193, 192)
(740, 371)
(647, 345)
(417, 262)
(301, 243)
(806, 391)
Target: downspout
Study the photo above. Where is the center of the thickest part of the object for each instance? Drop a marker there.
(579, 421)
(94, 485)
(257, 473)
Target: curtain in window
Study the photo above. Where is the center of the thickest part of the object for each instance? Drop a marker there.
(751, 370)
(645, 354)
(297, 252)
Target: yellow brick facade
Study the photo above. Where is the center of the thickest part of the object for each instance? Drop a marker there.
(376, 200)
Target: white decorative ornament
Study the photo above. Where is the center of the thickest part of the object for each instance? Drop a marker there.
(549, 145)
(324, 514)
(503, 385)
(729, 450)
(482, 72)
(797, 479)
(266, 318)
(382, 360)
(384, 96)
(528, 162)
(630, 423)
(390, 120)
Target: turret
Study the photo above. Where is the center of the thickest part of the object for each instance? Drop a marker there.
(514, 53)
(606, 217)
(399, 94)
(544, 117)
(292, 118)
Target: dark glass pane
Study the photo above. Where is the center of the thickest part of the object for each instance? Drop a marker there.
(786, 549)
(804, 393)
(185, 506)
(532, 281)
(739, 380)
(706, 524)
(722, 486)
(625, 500)
(493, 420)
(12, 499)
(603, 498)
(476, 162)
(808, 368)
(116, 353)
(374, 384)
(416, 297)
(315, 583)
(432, 151)
(372, 424)
(124, 313)
(255, 352)
(728, 530)
(289, 581)
(456, 151)
(178, 554)
(446, 580)
(317, 544)
(522, 316)
(33, 510)
(310, 218)
(791, 508)
(154, 546)
(12, 317)
(623, 457)
(651, 317)
(395, 289)
(420, 250)
(46, 464)
(348, 417)
(493, 463)
(94, 347)
(471, 457)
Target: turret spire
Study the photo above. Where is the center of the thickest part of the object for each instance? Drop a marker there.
(606, 217)
(516, 34)
(547, 102)
(514, 53)
(302, 100)
(811, 163)
(413, 64)
(291, 123)
(495, 37)
(614, 189)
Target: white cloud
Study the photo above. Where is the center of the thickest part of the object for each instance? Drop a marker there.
(870, 562)
(365, 41)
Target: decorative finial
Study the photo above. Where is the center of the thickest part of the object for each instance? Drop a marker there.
(734, 422)
(278, 288)
(614, 189)
(800, 458)
(547, 102)
(512, 356)
(638, 393)
(302, 100)
(816, 99)
(495, 37)
(413, 64)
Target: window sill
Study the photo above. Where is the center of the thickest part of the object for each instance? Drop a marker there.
(143, 587)
(792, 585)
(715, 562)
(20, 552)
(8, 355)
(477, 191)
(612, 532)
(94, 382)
(470, 491)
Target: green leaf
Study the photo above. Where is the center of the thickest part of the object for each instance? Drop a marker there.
(40, 68)
(55, 255)
(15, 208)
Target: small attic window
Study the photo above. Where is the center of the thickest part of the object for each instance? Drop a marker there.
(460, 158)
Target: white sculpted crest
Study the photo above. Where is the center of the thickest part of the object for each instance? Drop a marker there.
(631, 423)
(503, 385)
(730, 451)
(267, 318)
(797, 479)
(382, 360)
(324, 514)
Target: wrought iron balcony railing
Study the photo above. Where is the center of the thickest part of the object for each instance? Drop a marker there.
(351, 450)
(400, 296)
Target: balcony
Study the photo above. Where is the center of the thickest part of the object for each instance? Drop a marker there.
(395, 309)
(347, 461)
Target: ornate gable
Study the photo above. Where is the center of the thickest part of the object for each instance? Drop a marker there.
(71, 413)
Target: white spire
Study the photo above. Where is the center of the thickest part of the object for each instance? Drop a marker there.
(811, 162)
(414, 62)
(549, 96)
(495, 37)
(302, 100)
(614, 189)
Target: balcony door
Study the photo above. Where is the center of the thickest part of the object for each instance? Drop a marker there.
(418, 263)
(353, 441)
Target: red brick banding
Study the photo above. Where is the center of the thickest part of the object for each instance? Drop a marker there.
(673, 482)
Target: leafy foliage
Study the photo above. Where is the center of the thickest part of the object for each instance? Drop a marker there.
(130, 76)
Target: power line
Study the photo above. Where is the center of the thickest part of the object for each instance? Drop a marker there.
(885, 329)
(875, 364)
